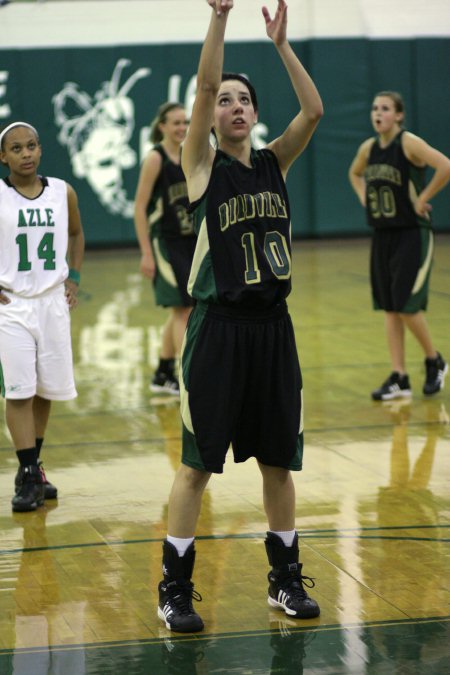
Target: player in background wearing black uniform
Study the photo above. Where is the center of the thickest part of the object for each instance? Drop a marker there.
(388, 176)
(161, 205)
(240, 376)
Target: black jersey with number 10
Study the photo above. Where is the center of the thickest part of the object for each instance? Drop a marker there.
(243, 252)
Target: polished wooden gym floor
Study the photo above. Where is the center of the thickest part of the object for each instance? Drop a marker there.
(78, 576)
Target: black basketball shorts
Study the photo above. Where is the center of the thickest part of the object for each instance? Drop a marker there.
(400, 268)
(241, 385)
(173, 259)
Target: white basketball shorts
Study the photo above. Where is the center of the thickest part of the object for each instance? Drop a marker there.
(36, 347)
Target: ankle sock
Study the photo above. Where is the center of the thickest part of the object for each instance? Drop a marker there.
(39, 442)
(166, 366)
(27, 456)
(287, 536)
(180, 544)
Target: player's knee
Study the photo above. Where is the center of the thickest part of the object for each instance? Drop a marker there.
(193, 478)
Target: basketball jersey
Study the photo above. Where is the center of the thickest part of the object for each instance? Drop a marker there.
(33, 238)
(243, 252)
(392, 186)
(167, 209)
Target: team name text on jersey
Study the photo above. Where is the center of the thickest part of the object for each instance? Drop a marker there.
(383, 172)
(246, 207)
(34, 218)
(177, 191)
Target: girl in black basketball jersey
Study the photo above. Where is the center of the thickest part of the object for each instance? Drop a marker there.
(161, 204)
(388, 176)
(240, 377)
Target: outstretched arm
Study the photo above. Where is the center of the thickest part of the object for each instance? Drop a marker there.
(295, 138)
(197, 154)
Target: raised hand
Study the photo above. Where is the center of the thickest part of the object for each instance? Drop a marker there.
(220, 6)
(276, 27)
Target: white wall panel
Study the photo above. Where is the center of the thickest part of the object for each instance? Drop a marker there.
(114, 22)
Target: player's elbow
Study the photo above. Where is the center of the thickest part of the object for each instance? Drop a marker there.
(447, 170)
(315, 113)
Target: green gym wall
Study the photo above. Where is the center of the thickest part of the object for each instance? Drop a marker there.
(93, 106)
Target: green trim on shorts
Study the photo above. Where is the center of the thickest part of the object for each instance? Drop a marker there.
(195, 322)
(191, 454)
(196, 319)
(165, 284)
(297, 461)
(418, 299)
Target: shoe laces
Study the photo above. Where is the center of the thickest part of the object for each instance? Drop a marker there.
(294, 584)
(183, 599)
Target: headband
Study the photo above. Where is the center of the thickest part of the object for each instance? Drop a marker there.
(16, 124)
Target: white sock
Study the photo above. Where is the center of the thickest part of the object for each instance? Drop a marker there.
(180, 544)
(286, 536)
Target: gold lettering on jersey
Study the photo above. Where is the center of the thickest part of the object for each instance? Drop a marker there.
(383, 172)
(247, 207)
(269, 205)
(35, 218)
(280, 205)
(177, 191)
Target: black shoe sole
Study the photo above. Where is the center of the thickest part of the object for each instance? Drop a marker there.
(25, 508)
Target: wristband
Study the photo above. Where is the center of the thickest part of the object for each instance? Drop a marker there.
(74, 276)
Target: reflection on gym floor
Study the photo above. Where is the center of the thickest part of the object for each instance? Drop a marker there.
(78, 576)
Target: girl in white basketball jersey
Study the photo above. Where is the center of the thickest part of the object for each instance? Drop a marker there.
(40, 228)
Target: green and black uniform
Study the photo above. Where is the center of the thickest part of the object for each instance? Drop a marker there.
(171, 234)
(402, 244)
(241, 381)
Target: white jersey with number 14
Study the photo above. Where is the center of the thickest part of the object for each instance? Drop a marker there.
(33, 238)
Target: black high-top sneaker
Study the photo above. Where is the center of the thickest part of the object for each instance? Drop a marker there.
(50, 490)
(165, 383)
(176, 591)
(395, 386)
(286, 582)
(436, 370)
(31, 491)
